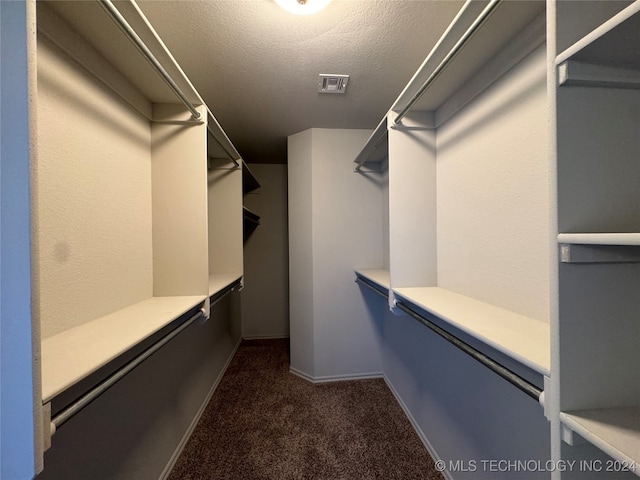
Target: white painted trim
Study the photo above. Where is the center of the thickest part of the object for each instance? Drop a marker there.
(183, 442)
(423, 438)
(335, 378)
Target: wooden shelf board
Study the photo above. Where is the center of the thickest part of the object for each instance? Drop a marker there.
(522, 338)
(616, 431)
(378, 276)
(219, 281)
(631, 239)
(70, 356)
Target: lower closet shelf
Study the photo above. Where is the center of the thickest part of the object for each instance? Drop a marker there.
(72, 355)
(616, 431)
(378, 276)
(522, 338)
(220, 281)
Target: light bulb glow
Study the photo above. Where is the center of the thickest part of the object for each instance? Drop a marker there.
(303, 7)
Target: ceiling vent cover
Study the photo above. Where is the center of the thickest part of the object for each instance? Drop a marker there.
(330, 83)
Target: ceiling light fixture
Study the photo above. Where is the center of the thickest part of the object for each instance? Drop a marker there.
(303, 7)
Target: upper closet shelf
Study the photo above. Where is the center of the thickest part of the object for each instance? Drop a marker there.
(482, 43)
(614, 43)
(74, 354)
(521, 338)
(123, 36)
(458, 68)
(608, 56)
(92, 22)
(221, 147)
(375, 150)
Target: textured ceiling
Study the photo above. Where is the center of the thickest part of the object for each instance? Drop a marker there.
(256, 66)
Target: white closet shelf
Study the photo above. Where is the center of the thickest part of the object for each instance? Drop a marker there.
(496, 33)
(221, 147)
(220, 281)
(630, 239)
(72, 355)
(522, 338)
(614, 43)
(377, 276)
(91, 22)
(616, 431)
(376, 148)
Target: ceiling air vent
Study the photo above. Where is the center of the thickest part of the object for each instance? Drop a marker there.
(330, 83)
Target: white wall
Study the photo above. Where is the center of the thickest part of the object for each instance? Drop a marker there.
(342, 231)
(301, 294)
(92, 197)
(493, 194)
(265, 296)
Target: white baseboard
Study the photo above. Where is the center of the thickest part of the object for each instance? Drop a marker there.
(335, 378)
(266, 337)
(183, 442)
(423, 438)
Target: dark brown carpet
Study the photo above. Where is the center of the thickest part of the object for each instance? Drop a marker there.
(265, 423)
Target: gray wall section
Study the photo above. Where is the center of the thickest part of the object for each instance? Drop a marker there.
(300, 210)
(468, 416)
(265, 296)
(134, 429)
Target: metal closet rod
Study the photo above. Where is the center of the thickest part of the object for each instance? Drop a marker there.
(146, 53)
(513, 378)
(98, 390)
(477, 23)
(363, 281)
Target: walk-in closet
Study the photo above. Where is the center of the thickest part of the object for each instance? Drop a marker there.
(469, 252)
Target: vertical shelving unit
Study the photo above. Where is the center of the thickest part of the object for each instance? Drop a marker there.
(121, 214)
(452, 240)
(598, 145)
